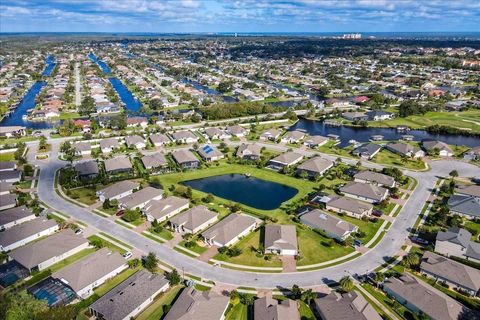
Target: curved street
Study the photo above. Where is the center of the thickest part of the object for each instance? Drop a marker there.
(389, 246)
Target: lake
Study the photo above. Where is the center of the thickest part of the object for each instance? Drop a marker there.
(250, 191)
(346, 133)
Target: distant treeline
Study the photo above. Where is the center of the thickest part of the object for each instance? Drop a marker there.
(238, 109)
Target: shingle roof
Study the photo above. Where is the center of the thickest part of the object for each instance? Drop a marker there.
(472, 190)
(117, 163)
(280, 237)
(248, 149)
(287, 157)
(109, 143)
(209, 151)
(182, 156)
(133, 140)
(87, 167)
(161, 208)
(349, 204)
(154, 160)
(325, 221)
(367, 149)
(316, 164)
(229, 228)
(347, 306)
(144, 195)
(159, 138)
(365, 190)
(434, 144)
(267, 308)
(461, 237)
(194, 217)
(376, 177)
(118, 188)
(465, 205)
(180, 135)
(25, 230)
(14, 214)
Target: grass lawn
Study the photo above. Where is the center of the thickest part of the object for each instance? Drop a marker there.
(368, 227)
(237, 312)
(466, 120)
(389, 158)
(197, 248)
(400, 310)
(107, 244)
(8, 156)
(305, 312)
(248, 256)
(473, 227)
(165, 233)
(116, 240)
(155, 310)
(84, 195)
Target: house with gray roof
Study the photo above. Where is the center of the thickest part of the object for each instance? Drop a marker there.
(346, 306)
(12, 176)
(15, 216)
(82, 148)
(229, 230)
(193, 220)
(405, 150)
(472, 154)
(267, 308)
(332, 226)
(87, 169)
(26, 232)
(92, 271)
(249, 152)
(315, 141)
(293, 136)
(457, 242)
(272, 134)
(350, 207)
(364, 191)
(210, 153)
(314, 166)
(185, 159)
(159, 139)
(456, 275)
(375, 178)
(8, 166)
(117, 190)
(215, 133)
(418, 296)
(139, 199)
(198, 305)
(154, 161)
(109, 144)
(367, 151)
(135, 141)
(130, 297)
(164, 209)
(280, 239)
(471, 191)
(6, 188)
(443, 149)
(286, 159)
(237, 131)
(379, 115)
(118, 165)
(8, 201)
(42, 254)
(184, 137)
(465, 206)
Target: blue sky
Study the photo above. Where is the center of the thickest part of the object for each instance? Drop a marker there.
(239, 16)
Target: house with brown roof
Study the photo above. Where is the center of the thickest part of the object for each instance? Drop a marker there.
(229, 230)
(15, 216)
(364, 191)
(185, 159)
(267, 308)
(210, 153)
(159, 139)
(350, 207)
(314, 166)
(443, 149)
(154, 161)
(286, 159)
(332, 226)
(164, 209)
(315, 141)
(237, 131)
(280, 239)
(193, 220)
(26, 232)
(249, 152)
(140, 198)
(82, 149)
(405, 150)
(136, 142)
(346, 306)
(184, 137)
(109, 144)
(375, 178)
(117, 190)
(293, 136)
(118, 165)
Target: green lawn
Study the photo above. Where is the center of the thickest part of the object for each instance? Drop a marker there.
(107, 244)
(84, 195)
(305, 312)
(115, 240)
(197, 248)
(474, 228)
(165, 233)
(155, 310)
(389, 158)
(237, 312)
(8, 156)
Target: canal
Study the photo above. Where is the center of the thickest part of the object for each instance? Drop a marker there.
(250, 191)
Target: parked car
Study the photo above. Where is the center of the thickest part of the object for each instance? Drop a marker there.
(78, 231)
(120, 213)
(127, 255)
(377, 213)
(420, 241)
(394, 196)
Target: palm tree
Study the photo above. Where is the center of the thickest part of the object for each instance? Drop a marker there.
(411, 260)
(346, 283)
(308, 296)
(379, 277)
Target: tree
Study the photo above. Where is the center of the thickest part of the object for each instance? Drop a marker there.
(224, 87)
(131, 215)
(296, 292)
(21, 306)
(67, 128)
(379, 277)
(106, 204)
(234, 297)
(411, 260)
(453, 174)
(346, 283)
(42, 143)
(308, 296)
(173, 277)
(150, 262)
(87, 106)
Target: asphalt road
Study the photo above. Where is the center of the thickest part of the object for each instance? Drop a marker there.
(388, 246)
(78, 95)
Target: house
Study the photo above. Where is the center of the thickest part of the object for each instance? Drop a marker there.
(136, 142)
(367, 151)
(465, 206)
(185, 159)
(42, 254)
(375, 178)
(11, 176)
(82, 149)
(118, 165)
(137, 121)
(272, 135)
(159, 139)
(267, 308)
(198, 305)
(249, 152)
(472, 154)
(92, 271)
(334, 227)
(351, 207)
(360, 99)
(12, 131)
(184, 137)
(8, 201)
(87, 169)
(346, 306)
(118, 190)
(364, 191)
(129, 298)
(26, 232)
(154, 161)
(293, 136)
(210, 153)
(193, 220)
(457, 242)
(8, 166)
(280, 239)
(471, 191)
(216, 134)
(405, 150)
(313, 167)
(286, 159)
(140, 198)
(432, 146)
(164, 209)
(229, 230)
(355, 116)
(315, 141)
(379, 115)
(108, 145)
(6, 188)
(15, 216)
(450, 272)
(420, 297)
(237, 131)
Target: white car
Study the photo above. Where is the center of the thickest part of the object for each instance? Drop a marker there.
(127, 255)
(78, 231)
